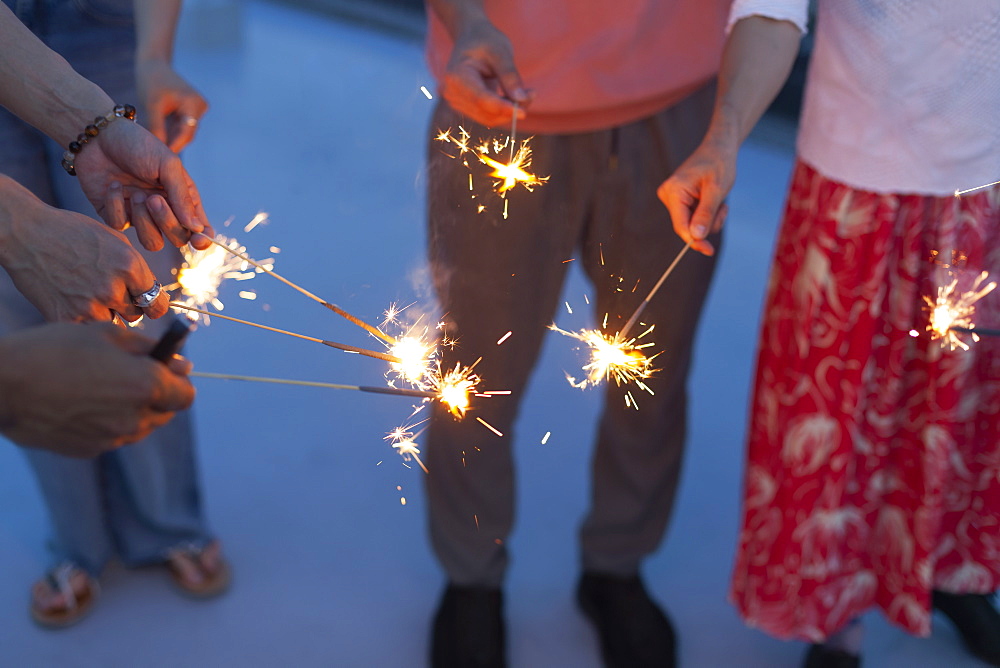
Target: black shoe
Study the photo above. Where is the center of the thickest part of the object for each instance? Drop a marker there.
(634, 632)
(821, 656)
(469, 629)
(976, 620)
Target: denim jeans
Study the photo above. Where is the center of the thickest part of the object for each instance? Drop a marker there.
(141, 500)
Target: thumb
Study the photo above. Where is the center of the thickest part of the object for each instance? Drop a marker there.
(510, 80)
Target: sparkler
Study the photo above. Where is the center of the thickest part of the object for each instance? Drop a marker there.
(333, 307)
(333, 344)
(509, 174)
(612, 358)
(642, 306)
(952, 310)
(402, 392)
(202, 272)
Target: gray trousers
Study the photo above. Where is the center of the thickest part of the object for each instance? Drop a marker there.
(494, 275)
(141, 500)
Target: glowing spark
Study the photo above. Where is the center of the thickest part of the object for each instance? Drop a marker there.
(569, 309)
(513, 172)
(248, 294)
(504, 338)
(203, 271)
(403, 441)
(610, 358)
(954, 309)
(261, 217)
(427, 93)
(489, 426)
(545, 439)
(454, 387)
(508, 174)
(416, 355)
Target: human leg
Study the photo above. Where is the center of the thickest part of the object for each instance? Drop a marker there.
(630, 243)
(494, 274)
(637, 460)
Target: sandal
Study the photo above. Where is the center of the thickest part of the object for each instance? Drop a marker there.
(198, 571)
(78, 590)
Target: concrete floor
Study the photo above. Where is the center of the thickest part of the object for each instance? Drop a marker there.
(322, 124)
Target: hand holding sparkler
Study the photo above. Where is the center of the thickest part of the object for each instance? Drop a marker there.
(98, 268)
(695, 194)
(481, 80)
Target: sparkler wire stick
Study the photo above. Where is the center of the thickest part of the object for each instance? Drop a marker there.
(333, 307)
(332, 344)
(976, 330)
(513, 131)
(642, 306)
(402, 392)
(959, 193)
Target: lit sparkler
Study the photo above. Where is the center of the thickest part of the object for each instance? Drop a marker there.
(952, 310)
(333, 307)
(398, 391)
(612, 358)
(203, 271)
(508, 174)
(403, 441)
(333, 344)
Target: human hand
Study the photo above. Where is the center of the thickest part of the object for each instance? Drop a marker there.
(80, 390)
(695, 194)
(132, 177)
(71, 267)
(173, 107)
(481, 80)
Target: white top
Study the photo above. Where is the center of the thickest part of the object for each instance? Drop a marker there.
(903, 96)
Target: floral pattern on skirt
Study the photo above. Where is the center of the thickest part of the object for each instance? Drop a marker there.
(873, 471)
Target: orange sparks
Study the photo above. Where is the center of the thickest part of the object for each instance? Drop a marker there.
(954, 309)
(611, 358)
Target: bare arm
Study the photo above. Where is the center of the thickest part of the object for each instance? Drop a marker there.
(481, 80)
(756, 61)
(70, 267)
(173, 107)
(127, 174)
(40, 87)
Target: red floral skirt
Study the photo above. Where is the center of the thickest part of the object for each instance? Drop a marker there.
(873, 471)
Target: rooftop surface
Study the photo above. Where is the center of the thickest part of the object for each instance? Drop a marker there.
(321, 123)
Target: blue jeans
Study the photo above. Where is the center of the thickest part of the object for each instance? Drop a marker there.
(141, 500)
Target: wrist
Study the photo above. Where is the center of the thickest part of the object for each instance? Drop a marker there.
(78, 102)
(15, 204)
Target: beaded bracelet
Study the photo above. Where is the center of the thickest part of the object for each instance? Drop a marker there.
(91, 131)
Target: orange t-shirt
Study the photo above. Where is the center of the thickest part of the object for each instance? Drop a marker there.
(595, 64)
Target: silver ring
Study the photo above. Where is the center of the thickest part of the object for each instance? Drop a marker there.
(189, 120)
(146, 299)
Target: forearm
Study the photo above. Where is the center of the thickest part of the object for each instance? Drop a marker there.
(13, 199)
(41, 88)
(456, 15)
(155, 27)
(757, 59)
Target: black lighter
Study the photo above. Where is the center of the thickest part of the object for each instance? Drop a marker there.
(171, 341)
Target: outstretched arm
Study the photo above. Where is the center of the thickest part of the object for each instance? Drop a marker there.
(758, 56)
(481, 80)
